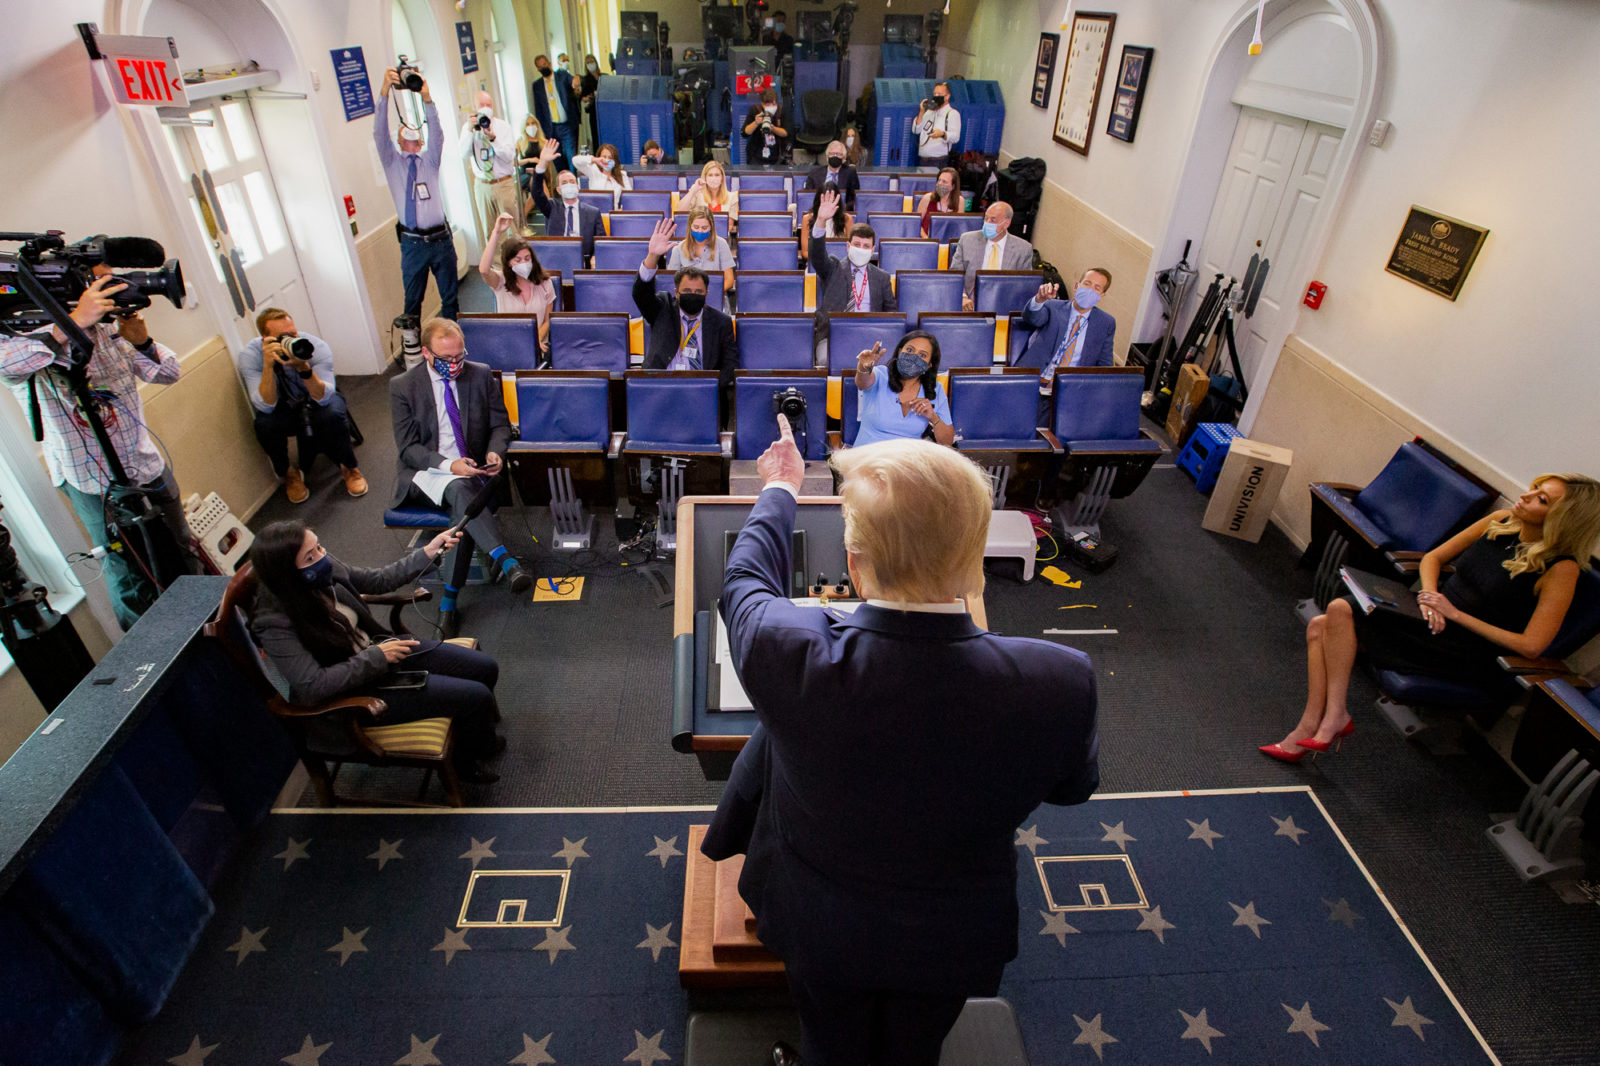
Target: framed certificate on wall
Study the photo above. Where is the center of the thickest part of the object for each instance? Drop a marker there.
(1127, 99)
(1085, 68)
(1044, 70)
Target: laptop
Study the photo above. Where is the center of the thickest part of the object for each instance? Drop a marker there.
(1376, 593)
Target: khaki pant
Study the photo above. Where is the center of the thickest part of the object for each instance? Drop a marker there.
(492, 199)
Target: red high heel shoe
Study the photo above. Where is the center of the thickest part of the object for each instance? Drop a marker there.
(1313, 744)
(1279, 752)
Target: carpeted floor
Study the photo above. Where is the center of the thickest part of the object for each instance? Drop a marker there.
(1205, 663)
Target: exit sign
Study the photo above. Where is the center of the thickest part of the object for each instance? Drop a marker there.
(143, 70)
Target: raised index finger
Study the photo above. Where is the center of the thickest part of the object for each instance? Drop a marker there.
(785, 431)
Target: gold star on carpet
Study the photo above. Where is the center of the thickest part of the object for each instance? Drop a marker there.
(421, 1053)
(1287, 828)
(657, 939)
(664, 849)
(309, 1054)
(533, 1051)
(1404, 1014)
(387, 852)
(1055, 924)
(454, 940)
(1203, 831)
(196, 1055)
(349, 944)
(248, 943)
(1117, 835)
(572, 851)
(1030, 839)
(1304, 1022)
(1340, 912)
(1151, 921)
(1199, 1029)
(294, 852)
(555, 942)
(479, 851)
(649, 1049)
(1247, 916)
(1091, 1034)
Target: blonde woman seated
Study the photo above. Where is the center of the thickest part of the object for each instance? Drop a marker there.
(604, 171)
(711, 191)
(703, 248)
(945, 199)
(1515, 572)
(836, 226)
(529, 148)
(521, 286)
(855, 153)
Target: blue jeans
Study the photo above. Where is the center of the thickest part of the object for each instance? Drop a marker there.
(567, 134)
(417, 258)
(131, 591)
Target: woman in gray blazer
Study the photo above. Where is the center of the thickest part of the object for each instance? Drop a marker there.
(310, 620)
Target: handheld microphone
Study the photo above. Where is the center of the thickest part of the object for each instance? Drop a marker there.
(479, 502)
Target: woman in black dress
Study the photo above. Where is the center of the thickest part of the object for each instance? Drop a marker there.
(1515, 572)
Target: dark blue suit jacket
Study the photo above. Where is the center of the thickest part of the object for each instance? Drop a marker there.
(590, 224)
(541, 103)
(898, 753)
(1049, 324)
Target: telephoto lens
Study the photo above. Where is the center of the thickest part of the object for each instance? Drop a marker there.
(483, 122)
(300, 348)
(410, 77)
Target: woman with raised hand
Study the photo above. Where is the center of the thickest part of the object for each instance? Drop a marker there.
(903, 398)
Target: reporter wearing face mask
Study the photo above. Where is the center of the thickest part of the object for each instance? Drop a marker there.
(588, 87)
(704, 249)
(901, 398)
(766, 130)
(685, 333)
(604, 171)
(938, 127)
(491, 154)
(566, 215)
(555, 104)
(530, 146)
(945, 199)
(838, 172)
(849, 284)
(1067, 333)
(855, 153)
(521, 286)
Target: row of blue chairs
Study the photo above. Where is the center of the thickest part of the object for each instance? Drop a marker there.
(565, 254)
(600, 340)
(778, 182)
(894, 225)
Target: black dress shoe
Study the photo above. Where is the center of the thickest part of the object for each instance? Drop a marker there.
(474, 774)
(521, 580)
(784, 1055)
(449, 624)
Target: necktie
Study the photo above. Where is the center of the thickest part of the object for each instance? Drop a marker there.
(572, 221)
(411, 192)
(1061, 352)
(453, 412)
(992, 260)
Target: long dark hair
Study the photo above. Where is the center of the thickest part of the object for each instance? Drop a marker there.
(321, 629)
(616, 174)
(509, 250)
(930, 377)
(959, 204)
(838, 216)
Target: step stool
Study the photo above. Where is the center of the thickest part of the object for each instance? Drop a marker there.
(1202, 457)
(1011, 536)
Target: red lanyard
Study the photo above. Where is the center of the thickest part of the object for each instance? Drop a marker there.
(858, 289)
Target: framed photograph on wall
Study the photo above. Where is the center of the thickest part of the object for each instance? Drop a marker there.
(1044, 70)
(1084, 70)
(1132, 75)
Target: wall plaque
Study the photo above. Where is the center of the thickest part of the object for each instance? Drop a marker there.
(1435, 251)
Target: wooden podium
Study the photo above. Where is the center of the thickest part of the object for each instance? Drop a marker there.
(719, 948)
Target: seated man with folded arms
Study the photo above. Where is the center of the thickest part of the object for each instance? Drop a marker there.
(685, 334)
(294, 396)
(1067, 332)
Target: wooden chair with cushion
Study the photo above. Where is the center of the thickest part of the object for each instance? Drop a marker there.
(339, 730)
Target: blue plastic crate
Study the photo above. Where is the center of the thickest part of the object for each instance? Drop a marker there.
(983, 115)
(634, 110)
(1203, 456)
(894, 141)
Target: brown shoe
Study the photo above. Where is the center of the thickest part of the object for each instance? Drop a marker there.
(354, 483)
(294, 486)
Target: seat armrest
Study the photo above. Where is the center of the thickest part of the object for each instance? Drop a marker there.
(725, 438)
(1343, 488)
(1533, 681)
(368, 705)
(618, 439)
(397, 598)
(1051, 439)
(1404, 556)
(1521, 664)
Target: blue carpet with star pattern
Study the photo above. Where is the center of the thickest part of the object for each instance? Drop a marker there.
(1208, 927)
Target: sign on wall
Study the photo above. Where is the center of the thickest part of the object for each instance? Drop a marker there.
(355, 91)
(143, 70)
(1435, 251)
(469, 50)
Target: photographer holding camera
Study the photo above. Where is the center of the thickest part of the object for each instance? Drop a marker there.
(35, 366)
(413, 176)
(289, 379)
(766, 131)
(491, 144)
(938, 127)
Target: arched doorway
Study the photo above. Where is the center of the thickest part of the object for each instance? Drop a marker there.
(1301, 112)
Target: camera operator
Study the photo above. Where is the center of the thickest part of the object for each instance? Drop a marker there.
(781, 41)
(293, 396)
(35, 365)
(491, 144)
(413, 175)
(766, 131)
(938, 127)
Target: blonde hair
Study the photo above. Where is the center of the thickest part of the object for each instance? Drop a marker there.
(695, 212)
(720, 196)
(435, 326)
(1570, 529)
(917, 514)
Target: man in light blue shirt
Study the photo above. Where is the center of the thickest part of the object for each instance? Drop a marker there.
(412, 171)
(294, 396)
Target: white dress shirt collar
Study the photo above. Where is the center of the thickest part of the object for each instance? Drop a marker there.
(957, 607)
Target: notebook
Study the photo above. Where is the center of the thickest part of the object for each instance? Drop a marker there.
(1376, 593)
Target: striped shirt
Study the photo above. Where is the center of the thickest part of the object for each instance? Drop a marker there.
(115, 370)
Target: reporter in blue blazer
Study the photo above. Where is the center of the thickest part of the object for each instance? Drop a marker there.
(1055, 322)
(900, 746)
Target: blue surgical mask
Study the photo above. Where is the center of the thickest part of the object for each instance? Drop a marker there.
(777, 27)
(319, 575)
(910, 364)
(701, 235)
(1085, 297)
(990, 231)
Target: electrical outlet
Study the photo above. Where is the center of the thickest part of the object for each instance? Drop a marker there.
(1380, 130)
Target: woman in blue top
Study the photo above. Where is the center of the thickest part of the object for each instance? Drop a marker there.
(903, 398)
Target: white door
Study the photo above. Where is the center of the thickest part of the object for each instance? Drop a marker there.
(1271, 189)
(235, 206)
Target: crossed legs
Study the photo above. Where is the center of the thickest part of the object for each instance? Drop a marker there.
(1330, 656)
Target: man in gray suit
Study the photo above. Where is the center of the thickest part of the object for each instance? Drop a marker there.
(996, 248)
(849, 284)
(451, 428)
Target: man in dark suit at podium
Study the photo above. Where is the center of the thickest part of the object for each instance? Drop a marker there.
(900, 746)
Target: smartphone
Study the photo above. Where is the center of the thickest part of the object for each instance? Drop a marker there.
(404, 679)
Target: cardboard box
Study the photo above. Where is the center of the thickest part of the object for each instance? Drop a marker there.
(1247, 488)
(1186, 396)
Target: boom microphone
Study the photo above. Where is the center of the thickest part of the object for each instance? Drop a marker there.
(132, 252)
(481, 500)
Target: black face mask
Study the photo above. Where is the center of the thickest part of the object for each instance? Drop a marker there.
(836, 161)
(938, 101)
(544, 72)
(692, 303)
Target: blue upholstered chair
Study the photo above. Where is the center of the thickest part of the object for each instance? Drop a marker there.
(765, 182)
(849, 412)
(885, 203)
(673, 412)
(1417, 501)
(656, 182)
(996, 414)
(851, 333)
(890, 226)
(605, 290)
(562, 254)
(1017, 336)
(875, 182)
(505, 342)
(589, 341)
(1095, 417)
(620, 253)
(946, 228)
(763, 201)
(898, 254)
(926, 290)
(755, 424)
(771, 290)
(760, 225)
(765, 254)
(603, 201)
(775, 341)
(680, 224)
(634, 223)
(1005, 291)
(917, 184)
(565, 448)
(645, 200)
(965, 339)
